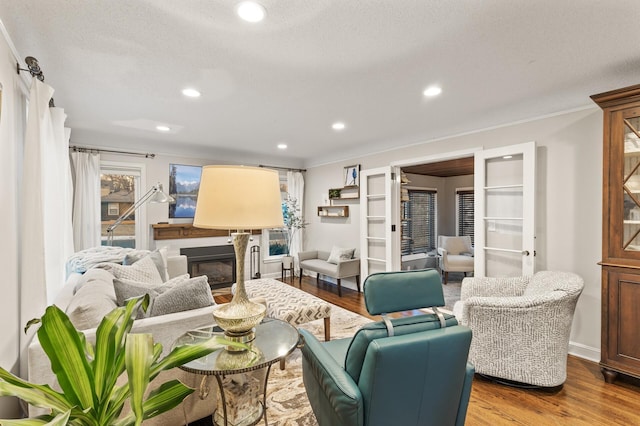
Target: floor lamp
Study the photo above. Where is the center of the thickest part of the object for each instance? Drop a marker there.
(154, 195)
(239, 199)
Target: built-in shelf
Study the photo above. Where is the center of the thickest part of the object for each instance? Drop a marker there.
(333, 211)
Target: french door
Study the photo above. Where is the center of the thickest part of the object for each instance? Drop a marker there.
(378, 221)
(505, 210)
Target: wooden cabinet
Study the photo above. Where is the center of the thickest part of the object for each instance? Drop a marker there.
(620, 351)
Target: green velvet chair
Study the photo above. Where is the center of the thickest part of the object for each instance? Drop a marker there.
(402, 371)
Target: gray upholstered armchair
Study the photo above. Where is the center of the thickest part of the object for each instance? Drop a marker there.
(400, 371)
(456, 255)
(521, 326)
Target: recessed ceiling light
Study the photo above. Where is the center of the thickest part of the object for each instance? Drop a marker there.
(282, 146)
(192, 93)
(432, 91)
(507, 157)
(338, 126)
(251, 11)
(163, 128)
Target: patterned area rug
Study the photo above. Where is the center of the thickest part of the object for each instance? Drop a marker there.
(286, 397)
(287, 403)
(451, 292)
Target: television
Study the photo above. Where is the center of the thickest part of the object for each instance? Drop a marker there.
(184, 183)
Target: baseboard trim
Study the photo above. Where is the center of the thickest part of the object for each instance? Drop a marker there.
(584, 351)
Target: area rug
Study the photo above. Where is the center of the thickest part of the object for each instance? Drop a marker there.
(451, 292)
(287, 403)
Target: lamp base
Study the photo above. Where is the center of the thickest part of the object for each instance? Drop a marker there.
(240, 337)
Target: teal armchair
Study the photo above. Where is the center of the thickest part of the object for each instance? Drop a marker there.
(398, 371)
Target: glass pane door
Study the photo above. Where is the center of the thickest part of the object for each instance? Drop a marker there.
(504, 211)
(631, 185)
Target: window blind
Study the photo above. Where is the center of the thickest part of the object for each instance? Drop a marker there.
(419, 222)
(465, 213)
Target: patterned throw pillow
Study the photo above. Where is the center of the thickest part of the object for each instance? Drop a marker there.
(144, 270)
(339, 254)
(159, 258)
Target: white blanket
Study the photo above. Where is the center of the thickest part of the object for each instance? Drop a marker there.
(83, 260)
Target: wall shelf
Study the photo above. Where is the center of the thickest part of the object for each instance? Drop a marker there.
(346, 193)
(333, 211)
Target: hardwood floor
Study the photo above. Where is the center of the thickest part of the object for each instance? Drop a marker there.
(584, 399)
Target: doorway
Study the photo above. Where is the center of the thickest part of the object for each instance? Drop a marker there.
(436, 199)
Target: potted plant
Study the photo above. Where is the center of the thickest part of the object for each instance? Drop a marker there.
(87, 373)
(293, 221)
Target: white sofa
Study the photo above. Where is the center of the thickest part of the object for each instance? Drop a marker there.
(165, 330)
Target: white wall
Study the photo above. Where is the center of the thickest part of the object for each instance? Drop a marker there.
(11, 137)
(568, 204)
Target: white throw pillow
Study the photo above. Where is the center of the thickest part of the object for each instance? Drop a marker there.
(339, 254)
(90, 304)
(144, 270)
(158, 256)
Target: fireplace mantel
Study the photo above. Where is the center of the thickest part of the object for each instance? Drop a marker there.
(175, 231)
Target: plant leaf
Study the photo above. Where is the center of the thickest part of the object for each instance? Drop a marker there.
(43, 395)
(162, 399)
(185, 353)
(139, 357)
(66, 352)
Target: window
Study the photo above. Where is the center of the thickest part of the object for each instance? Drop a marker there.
(464, 212)
(419, 221)
(120, 187)
(275, 240)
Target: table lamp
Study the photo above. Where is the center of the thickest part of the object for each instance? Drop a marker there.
(239, 198)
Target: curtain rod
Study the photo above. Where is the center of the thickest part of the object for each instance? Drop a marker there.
(282, 168)
(87, 149)
(33, 66)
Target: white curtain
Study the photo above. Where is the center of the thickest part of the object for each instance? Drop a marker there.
(47, 239)
(86, 200)
(295, 187)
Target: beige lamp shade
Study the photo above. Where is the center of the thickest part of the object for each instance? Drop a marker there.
(238, 198)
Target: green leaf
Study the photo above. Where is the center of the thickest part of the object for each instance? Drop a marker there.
(37, 395)
(185, 353)
(139, 357)
(166, 397)
(65, 349)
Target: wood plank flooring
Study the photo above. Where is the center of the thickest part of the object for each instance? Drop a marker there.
(585, 399)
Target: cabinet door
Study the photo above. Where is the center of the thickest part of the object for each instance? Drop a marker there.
(621, 346)
(625, 183)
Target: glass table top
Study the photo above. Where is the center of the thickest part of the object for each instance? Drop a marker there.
(274, 340)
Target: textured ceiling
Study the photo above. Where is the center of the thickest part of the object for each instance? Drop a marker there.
(118, 68)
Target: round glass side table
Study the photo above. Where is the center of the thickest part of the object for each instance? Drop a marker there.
(241, 376)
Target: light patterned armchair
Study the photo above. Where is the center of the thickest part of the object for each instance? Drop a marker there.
(521, 325)
(456, 255)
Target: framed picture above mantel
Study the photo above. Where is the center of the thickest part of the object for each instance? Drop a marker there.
(184, 183)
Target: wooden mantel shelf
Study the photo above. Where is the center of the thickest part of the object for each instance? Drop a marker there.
(175, 231)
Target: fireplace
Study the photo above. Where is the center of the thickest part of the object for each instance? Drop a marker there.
(218, 263)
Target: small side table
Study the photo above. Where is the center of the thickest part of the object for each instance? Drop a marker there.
(242, 378)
